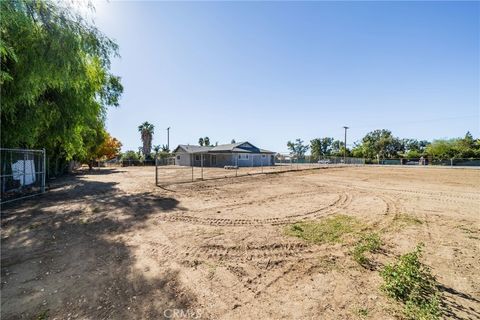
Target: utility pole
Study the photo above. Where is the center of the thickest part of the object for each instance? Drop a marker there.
(168, 139)
(345, 146)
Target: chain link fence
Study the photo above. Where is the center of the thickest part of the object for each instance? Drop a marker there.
(22, 174)
(453, 162)
(135, 163)
(209, 166)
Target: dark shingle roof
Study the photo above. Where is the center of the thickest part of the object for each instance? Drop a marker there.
(226, 148)
(192, 148)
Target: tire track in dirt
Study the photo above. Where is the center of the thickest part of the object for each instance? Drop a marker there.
(439, 196)
(257, 284)
(343, 200)
(452, 197)
(263, 264)
(391, 206)
(266, 199)
(265, 256)
(251, 253)
(301, 267)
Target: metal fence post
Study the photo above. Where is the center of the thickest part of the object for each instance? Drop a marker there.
(261, 161)
(156, 170)
(191, 163)
(44, 170)
(201, 161)
(24, 159)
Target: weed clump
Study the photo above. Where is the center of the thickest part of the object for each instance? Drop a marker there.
(362, 312)
(329, 230)
(368, 243)
(406, 220)
(411, 282)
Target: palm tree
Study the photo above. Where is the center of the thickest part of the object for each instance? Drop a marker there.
(156, 149)
(206, 141)
(165, 148)
(200, 141)
(146, 130)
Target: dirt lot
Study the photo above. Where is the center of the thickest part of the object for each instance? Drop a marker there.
(112, 245)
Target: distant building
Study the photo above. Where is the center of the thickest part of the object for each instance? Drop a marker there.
(242, 154)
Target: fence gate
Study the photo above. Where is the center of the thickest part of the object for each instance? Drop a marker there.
(22, 173)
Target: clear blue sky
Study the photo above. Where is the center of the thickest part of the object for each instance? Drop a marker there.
(271, 72)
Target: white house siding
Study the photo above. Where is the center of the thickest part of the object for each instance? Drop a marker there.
(197, 159)
(183, 159)
(261, 160)
(226, 159)
(242, 154)
(254, 160)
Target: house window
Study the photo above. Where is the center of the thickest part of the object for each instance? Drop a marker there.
(263, 156)
(243, 156)
(178, 157)
(197, 157)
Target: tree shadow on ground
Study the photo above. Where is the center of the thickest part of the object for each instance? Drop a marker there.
(62, 256)
(98, 171)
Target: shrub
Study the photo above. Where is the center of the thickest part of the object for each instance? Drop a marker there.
(411, 282)
(130, 155)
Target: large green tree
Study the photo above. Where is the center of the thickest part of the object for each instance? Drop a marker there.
(297, 148)
(55, 80)
(338, 149)
(381, 143)
(321, 147)
(466, 147)
(414, 148)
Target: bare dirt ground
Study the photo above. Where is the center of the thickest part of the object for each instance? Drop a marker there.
(111, 245)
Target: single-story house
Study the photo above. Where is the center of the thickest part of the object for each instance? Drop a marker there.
(242, 154)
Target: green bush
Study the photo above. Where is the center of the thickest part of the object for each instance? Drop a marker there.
(368, 243)
(130, 155)
(411, 282)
